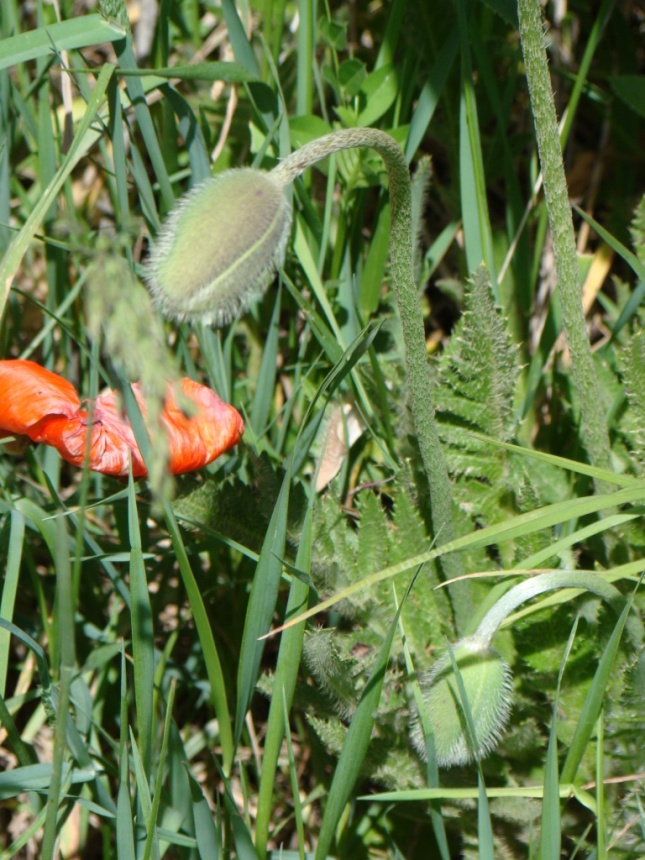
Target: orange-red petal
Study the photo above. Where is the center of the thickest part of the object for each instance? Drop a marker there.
(112, 441)
(29, 395)
(194, 441)
(199, 439)
(43, 406)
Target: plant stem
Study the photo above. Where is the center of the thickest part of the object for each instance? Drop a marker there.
(416, 360)
(532, 587)
(594, 428)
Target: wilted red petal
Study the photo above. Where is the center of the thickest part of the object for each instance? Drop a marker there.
(43, 406)
(29, 395)
(199, 439)
(112, 440)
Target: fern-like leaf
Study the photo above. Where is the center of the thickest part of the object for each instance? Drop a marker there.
(632, 368)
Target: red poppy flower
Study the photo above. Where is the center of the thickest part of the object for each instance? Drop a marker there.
(43, 406)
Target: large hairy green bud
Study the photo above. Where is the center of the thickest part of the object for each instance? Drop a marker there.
(220, 246)
(487, 682)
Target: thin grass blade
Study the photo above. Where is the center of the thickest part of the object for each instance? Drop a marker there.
(518, 526)
(10, 588)
(431, 93)
(284, 684)
(156, 797)
(206, 639)
(550, 834)
(206, 835)
(143, 649)
(266, 378)
(125, 847)
(83, 139)
(356, 742)
(594, 699)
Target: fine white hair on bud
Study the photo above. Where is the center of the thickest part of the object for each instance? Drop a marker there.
(488, 684)
(220, 246)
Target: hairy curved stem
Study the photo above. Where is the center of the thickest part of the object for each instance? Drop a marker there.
(401, 254)
(536, 585)
(594, 427)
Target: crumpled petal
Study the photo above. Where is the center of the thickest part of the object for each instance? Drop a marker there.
(41, 405)
(112, 441)
(198, 439)
(29, 393)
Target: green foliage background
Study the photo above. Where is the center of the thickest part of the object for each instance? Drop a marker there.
(140, 715)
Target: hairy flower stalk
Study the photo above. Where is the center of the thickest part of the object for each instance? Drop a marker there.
(220, 246)
(594, 427)
(402, 257)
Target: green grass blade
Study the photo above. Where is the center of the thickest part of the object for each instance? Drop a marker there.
(217, 367)
(321, 331)
(551, 838)
(38, 777)
(206, 639)
(583, 69)
(151, 824)
(601, 816)
(474, 205)
(484, 825)
(593, 701)
(575, 537)
(84, 138)
(206, 835)
(284, 684)
(242, 839)
(305, 57)
(65, 630)
(115, 125)
(264, 594)
(266, 378)
(10, 588)
(293, 775)
(375, 262)
(137, 96)
(356, 742)
(630, 258)
(594, 472)
(239, 42)
(432, 769)
(308, 263)
(76, 33)
(431, 93)
(144, 800)
(629, 310)
(32, 645)
(125, 847)
(143, 648)
(191, 132)
(230, 73)
(266, 582)
(518, 526)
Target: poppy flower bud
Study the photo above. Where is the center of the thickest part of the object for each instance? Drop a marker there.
(487, 680)
(220, 246)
